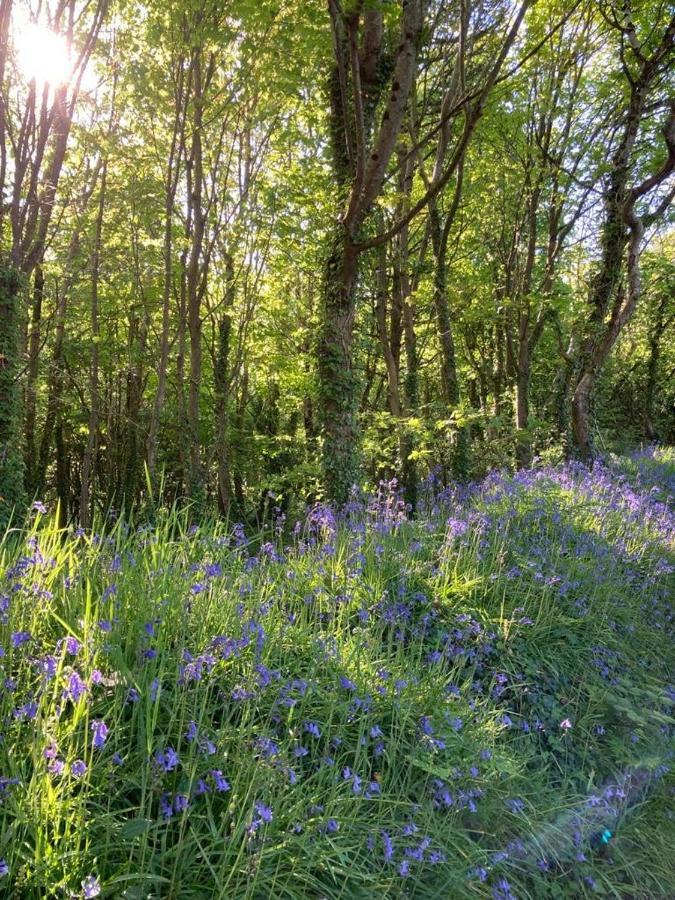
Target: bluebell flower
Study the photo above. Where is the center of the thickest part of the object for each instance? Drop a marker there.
(20, 637)
(388, 847)
(76, 687)
(180, 803)
(100, 730)
(71, 645)
(222, 784)
(167, 760)
(502, 890)
(91, 887)
(166, 807)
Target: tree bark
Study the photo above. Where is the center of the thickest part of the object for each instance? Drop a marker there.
(338, 381)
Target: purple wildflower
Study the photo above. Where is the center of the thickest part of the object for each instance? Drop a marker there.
(222, 784)
(100, 730)
(91, 887)
(167, 760)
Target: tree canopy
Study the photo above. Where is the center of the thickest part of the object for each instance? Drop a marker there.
(261, 252)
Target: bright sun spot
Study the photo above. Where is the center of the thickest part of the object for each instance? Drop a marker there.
(42, 54)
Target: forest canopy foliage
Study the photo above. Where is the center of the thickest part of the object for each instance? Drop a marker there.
(254, 246)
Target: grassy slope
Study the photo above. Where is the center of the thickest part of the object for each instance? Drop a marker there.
(446, 708)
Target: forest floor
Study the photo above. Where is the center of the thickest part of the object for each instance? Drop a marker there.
(477, 703)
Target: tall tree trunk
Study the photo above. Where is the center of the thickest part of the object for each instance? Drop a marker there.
(196, 485)
(446, 340)
(173, 171)
(337, 378)
(390, 360)
(91, 449)
(360, 160)
(222, 384)
(31, 380)
(131, 432)
(402, 291)
(459, 461)
(162, 369)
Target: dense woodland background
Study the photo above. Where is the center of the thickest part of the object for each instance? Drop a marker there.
(256, 251)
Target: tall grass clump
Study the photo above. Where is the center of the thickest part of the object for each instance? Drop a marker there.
(474, 703)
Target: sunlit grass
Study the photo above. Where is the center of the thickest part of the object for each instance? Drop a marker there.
(344, 711)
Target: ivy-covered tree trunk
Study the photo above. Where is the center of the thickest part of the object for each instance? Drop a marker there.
(338, 384)
(623, 227)
(12, 497)
(361, 155)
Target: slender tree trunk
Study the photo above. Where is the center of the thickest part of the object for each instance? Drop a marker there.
(91, 449)
(162, 370)
(31, 381)
(131, 432)
(180, 379)
(391, 363)
(222, 383)
(459, 461)
(402, 287)
(449, 379)
(62, 473)
(523, 445)
(237, 480)
(172, 175)
(196, 485)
